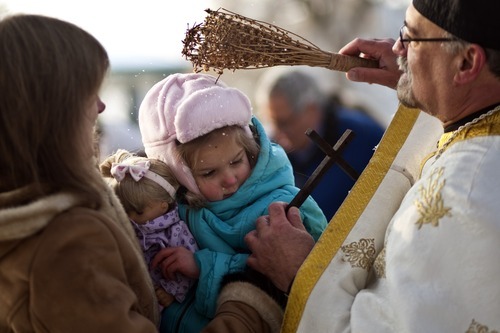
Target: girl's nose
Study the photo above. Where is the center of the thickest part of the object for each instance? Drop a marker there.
(229, 179)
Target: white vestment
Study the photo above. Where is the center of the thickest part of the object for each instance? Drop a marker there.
(416, 245)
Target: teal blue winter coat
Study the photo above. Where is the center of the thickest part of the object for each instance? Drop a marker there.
(220, 227)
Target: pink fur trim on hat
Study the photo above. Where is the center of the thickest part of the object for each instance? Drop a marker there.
(184, 107)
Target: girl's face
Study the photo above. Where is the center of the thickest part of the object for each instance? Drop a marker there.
(94, 107)
(221, 167)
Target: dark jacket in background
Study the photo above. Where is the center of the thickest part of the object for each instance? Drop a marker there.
(336, 184)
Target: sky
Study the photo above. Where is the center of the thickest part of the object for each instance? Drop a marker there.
(144, 33)
(137, 34)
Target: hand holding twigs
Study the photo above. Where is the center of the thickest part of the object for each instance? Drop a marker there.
(387, 73)
(227, 40)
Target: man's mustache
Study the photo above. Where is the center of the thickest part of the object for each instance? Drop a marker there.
(403, 64)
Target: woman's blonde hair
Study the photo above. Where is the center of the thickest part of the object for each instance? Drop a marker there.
(188, 152)
(49, 71)
(135, 195)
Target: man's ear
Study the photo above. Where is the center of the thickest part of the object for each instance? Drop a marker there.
(472, 63)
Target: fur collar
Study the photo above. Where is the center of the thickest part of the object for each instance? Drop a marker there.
(22, 221)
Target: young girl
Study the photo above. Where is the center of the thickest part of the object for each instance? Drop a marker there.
(146, 189)
(230, 172)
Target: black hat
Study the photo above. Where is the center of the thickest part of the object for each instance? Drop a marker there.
(475, 21)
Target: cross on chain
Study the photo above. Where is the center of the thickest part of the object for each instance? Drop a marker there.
(333, 155)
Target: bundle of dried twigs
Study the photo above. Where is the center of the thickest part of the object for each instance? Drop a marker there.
(227, 40)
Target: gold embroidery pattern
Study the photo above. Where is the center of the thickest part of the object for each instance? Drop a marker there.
(360, 254)
(379, 265)
(488, 121)
(476, 327)
(431, 204)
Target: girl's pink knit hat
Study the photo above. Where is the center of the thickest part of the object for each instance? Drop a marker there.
(184, 107)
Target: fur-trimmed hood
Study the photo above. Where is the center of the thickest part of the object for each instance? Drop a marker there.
(18, 222)
(25, 219)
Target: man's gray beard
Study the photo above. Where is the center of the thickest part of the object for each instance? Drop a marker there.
(405, 93)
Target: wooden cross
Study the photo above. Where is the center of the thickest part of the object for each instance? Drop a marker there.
(333, 155)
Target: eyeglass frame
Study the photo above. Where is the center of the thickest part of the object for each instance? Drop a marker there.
(409, 40)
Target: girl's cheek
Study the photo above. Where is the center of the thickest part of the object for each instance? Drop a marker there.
(211, 193)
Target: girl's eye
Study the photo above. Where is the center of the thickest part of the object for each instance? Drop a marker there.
(236, 161)
(208, 174)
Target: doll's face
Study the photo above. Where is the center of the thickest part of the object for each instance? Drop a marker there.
(153, 210)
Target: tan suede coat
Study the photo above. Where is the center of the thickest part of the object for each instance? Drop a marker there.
(65, 268)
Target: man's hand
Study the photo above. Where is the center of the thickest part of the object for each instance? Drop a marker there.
(279, 245)
(379, 49)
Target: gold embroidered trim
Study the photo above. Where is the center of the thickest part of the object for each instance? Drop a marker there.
(476, 327)
(360, 254)
(484, 125)
(379, 265)
(343, 221)
(431, 204)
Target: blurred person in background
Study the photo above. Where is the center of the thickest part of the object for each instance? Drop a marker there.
(291, 101)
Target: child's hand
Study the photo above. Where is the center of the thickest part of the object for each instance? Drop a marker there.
(173, 260)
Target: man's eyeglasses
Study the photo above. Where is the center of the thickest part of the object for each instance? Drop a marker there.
(406, 41)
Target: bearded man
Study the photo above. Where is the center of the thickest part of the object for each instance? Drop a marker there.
(414, 247)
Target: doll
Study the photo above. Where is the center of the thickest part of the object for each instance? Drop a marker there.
(146, 189)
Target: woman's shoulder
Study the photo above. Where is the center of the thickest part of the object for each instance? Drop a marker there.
(84, 221)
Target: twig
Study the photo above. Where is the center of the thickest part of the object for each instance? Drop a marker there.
(227, 40)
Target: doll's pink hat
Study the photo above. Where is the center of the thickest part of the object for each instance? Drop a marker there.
(184, 107)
